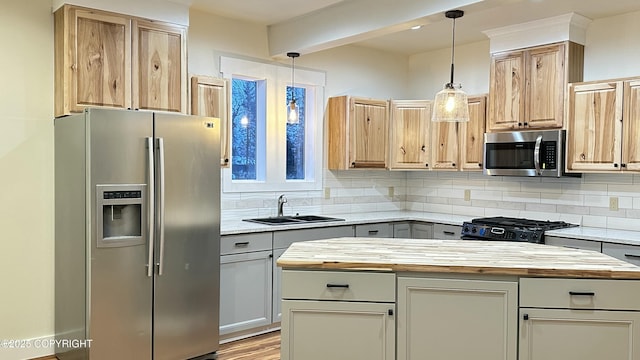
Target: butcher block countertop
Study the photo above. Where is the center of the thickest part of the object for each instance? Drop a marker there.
(454, 256)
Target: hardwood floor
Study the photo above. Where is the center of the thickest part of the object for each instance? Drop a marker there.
(261, 347)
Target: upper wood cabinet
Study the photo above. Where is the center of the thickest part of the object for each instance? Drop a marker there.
(527, 87)
(357, 129)
(113, 60)
(460, 146)
(410, 146)
(603, 126)
(210, 96)
(159, 66)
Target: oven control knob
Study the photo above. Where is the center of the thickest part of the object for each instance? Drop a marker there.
(474, 230)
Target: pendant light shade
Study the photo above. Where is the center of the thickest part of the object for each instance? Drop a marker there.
(451, 103)
(292, 116)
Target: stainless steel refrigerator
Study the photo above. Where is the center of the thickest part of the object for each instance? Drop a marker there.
(137, 235)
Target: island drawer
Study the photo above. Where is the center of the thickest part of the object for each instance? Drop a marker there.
(338, 285)
(235, 244)
(600, 294)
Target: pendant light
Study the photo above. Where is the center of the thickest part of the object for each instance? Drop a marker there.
(451, 103)
(292, 116)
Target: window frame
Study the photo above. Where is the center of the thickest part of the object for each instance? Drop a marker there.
(276, 79)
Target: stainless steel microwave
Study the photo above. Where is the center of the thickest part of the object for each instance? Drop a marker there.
(524, 153)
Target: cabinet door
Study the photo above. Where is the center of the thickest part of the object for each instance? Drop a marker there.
(210, 97)
(472, 135)
(245, 291)
(402, 230)
(160, 66)
(93, 60)
(410, 146)
(631, 125)
(276, 312)
(506, 93)
(421, 231)
(457, 319)
(368, 133)
(547, 334)
(444, 140)
(321, 330)
(546, 83)
(594, 126)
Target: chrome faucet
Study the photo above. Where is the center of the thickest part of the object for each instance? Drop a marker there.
(281, 201)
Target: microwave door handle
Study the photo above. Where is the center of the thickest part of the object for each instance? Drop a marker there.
(536, 155)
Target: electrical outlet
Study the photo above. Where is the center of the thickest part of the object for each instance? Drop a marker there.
(392, 191)
(613, 203)
(327, 193)
(467, 195)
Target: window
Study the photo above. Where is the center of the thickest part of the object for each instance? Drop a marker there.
(267, 153)
(296, 137)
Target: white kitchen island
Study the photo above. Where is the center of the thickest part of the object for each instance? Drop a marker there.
(365, 298)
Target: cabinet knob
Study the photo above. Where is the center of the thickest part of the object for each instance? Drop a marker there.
(423, 148)
(623, 165)
(453, 164)
(615, 165)
(525, 317)
(226, 161)
(390, 312)
(526, 123)
(353, 164)
(583, 156)
(404, 152)
(479, 164)
(427, 165)
(73, 67)
(519, 124)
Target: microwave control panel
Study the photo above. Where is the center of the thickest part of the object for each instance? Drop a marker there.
(548, 155)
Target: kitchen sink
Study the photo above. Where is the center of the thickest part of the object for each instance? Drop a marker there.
(297, 219)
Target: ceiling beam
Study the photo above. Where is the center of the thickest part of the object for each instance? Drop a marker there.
(352, 20)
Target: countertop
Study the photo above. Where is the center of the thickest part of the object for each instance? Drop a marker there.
(454, 256)
(231, 227)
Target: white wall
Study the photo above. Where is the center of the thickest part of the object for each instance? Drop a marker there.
(26, 170)
(613, 48)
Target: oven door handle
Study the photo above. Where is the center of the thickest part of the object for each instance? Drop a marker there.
(536, 155)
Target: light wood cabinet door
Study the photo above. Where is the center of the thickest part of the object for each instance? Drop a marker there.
(471, 135)
(594, 126)
(456, 319)
(409, 140)
(210, 96)
(562, 334)
(357, 133)
(320, 330)
(160, 66)
(631, 126)
(546, 83)
(507, 91)
(92, 60)
(444, 140)
(368, 130)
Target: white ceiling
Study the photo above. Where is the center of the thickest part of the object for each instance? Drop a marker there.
(436, 32)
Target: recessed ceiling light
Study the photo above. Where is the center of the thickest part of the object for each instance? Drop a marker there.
(416, 27)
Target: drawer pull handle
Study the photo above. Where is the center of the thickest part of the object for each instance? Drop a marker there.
(633, 256)
(448, 233)
(242, 244)
(373, 232)
(582, 293)
(342, 286)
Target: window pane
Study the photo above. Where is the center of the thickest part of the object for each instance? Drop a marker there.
(244, 127)
(295, 136)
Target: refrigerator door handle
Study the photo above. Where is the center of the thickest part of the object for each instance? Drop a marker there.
(151, 208)
(161, 203)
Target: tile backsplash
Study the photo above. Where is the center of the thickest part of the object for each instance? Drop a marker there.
(585, 200)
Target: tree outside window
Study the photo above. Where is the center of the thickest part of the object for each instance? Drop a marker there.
(244, 128)
(296, 136)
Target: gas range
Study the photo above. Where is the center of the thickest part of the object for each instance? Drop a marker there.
(510, 229)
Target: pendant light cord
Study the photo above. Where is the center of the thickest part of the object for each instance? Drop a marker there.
(293, 79)
(453, 47)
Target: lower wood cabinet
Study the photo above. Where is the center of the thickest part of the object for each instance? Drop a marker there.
(338, 315)
(556, 334)
(245, 282)
(456, 319)
(579, 319)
